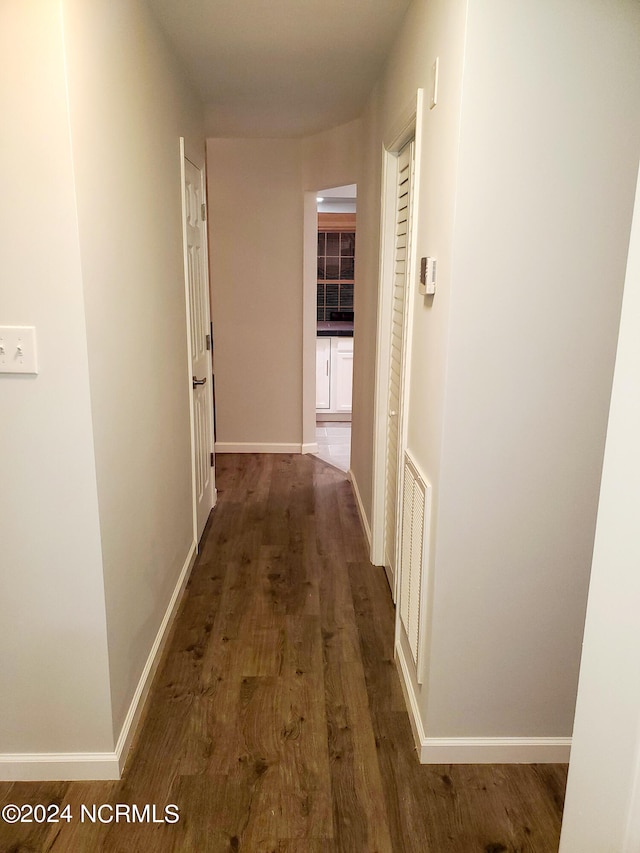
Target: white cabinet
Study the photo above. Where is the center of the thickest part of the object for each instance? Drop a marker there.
(341, 373)
(334, 374)
(323, 373)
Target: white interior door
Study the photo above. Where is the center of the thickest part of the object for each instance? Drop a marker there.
(196, 273)
(397, 353)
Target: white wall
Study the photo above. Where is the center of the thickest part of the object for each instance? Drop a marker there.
(332, 158)
(95, 457)
(525, 200)
(129, 105)
(255, 228)
(256, 196)
(543, 210)
(54, 680)
(430, 30)
(602, 807)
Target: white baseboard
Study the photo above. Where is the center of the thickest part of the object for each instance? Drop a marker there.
(477, 750)
(496, 750)
(137, 703)
(257, 447)
(390, 580)
(84, 766)
(411, 700)
(332, 417)
(312, 447)
(360, 505)
(55, 767)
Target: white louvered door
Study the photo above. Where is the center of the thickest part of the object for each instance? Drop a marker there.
(396, 361)
(199, 328)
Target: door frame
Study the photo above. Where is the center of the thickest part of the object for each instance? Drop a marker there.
(408, 126)
(309, 309)
(194, 499)
(309, 316)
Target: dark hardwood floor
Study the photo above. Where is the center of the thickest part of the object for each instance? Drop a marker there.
(277, 722)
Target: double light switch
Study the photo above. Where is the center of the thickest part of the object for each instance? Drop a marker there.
(18, 349)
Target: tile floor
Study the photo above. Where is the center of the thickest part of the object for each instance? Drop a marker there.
(334, 443)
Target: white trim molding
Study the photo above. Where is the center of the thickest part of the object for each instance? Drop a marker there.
(496, 750)
(476, 750)
(84, 766)
(155, 655)
(410, 698)
(360, 505)
(312, 447)
(257, 447)
(56, 766)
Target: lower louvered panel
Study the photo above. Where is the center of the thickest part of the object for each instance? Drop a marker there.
(414, 557)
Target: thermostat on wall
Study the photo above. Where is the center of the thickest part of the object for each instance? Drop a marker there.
(427, 284)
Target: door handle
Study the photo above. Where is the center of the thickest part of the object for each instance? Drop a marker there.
(392, 414)
(198, 381)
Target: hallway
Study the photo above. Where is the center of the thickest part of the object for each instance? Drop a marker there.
(334, 443)
(277, 721)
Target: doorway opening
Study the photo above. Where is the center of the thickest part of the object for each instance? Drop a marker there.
(335, 283)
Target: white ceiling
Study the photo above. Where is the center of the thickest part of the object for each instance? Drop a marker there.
(280, 67)
(348, 191)
(338, 199)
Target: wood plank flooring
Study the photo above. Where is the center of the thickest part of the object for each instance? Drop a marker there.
(276, 723)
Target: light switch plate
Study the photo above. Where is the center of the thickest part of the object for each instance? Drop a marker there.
(18, 349)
